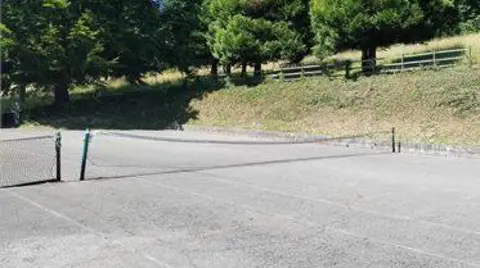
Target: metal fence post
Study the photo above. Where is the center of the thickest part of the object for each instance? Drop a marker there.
(403, 63)
(58, 150)
(86, 142)
(348, 65)
(470, 60)
(434, 59)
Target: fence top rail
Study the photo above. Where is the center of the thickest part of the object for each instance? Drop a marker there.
(450, 58)
(451, 50)
(310, 66)
(426, 61)
(420, 61)
(296, 74)
(418, 54)
(436, 52)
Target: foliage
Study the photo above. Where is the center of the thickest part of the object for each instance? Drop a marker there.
(60, 44)
(366, 25)
(294, 12)
(57, 44)
(183, 30)
(469, 15)
(131, 32)
(239, 35)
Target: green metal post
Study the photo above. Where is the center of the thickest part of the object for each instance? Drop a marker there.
(58, 150)
(393, 140)
(86, 142)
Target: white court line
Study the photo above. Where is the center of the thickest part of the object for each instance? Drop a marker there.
(86, 228)
(337, 204)
(309, 223)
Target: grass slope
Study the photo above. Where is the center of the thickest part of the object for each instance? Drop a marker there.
(429, 106)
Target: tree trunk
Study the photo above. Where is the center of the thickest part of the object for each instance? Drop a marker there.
(244, 70)
(228, 69)
(214, 68)
(257, 72)
(61, 94)
(21, 102)
(369, 60)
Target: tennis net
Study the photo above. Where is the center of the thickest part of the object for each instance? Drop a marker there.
(125, 154)
(29, 160)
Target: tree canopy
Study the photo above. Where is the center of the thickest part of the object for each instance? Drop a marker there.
(366, 25)
(59, 44)
(240, 34)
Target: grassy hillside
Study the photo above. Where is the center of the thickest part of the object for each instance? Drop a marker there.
(426, 106)
(430, 106)
(435, 106)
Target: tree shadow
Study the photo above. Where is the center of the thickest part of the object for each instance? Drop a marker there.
(154, 107)
(236, 79)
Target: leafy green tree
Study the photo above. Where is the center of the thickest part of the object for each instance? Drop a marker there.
(206, 19)
(296, 13)
(132, 35)
(367, 25)
(468, 12)
(52, 45)
(184, 34)
(58, 44)
(234, 37)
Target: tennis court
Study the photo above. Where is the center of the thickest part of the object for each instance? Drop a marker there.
(190, 199)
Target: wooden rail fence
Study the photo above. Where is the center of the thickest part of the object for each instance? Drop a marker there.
(407, 62)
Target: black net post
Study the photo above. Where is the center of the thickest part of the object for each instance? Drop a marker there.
(58, 155)
(86, 142)
(393, 140)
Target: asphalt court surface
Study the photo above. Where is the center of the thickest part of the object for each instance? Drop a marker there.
(174, 204)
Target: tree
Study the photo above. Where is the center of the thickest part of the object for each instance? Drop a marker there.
(57, 44)
(131, 32)
(52, 45)
(468, 15)
(184, 28)
(367, 25)
(296, 13)
(234, 37)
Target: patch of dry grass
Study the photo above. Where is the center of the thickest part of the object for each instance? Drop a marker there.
(171, 75)
(468, 41)
(430, 106)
